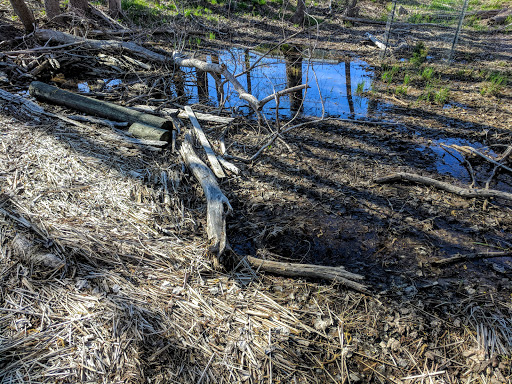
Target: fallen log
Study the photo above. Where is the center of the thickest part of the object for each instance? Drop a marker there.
(336, 274)
(149, 132)
(101, 45)
(464, 192)
(216, 201)
(96, 107)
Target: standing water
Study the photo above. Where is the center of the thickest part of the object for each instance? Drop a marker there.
(339, 84)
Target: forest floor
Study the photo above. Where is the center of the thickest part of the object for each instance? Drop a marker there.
(138, 302)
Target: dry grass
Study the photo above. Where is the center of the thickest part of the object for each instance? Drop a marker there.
(137, 302)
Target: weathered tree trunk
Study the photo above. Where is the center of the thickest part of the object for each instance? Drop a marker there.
(215, 199)
(80, 6)
(25, 14)
(114, 8)
(298, 16)
(52, 8)
(96, 107)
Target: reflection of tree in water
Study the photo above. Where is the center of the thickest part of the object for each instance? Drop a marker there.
(348, 82)
(293, 61)
(202, 86)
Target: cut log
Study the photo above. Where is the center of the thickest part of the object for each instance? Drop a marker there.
(198, 131)
(464, 192)
(215, 199)
(148, 132)
(336, 274)
(95, 107)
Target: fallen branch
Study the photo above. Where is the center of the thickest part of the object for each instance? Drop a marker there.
(215, 199)
(336, 274)
(198, 131)
(100, 45)
(471, 256)
(464, 192)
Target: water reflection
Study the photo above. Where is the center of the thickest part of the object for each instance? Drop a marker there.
(293, 64)
(333, 81)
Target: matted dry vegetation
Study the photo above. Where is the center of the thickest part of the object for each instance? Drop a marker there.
(138, 302)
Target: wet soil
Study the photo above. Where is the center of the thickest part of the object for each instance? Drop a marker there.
(312, 197)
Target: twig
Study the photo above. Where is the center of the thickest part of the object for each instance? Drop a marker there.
(424, 375)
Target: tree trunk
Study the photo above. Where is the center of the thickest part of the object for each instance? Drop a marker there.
(298, 16)
(25, 14)
(80, 6)
(52, 8)
(114, 8)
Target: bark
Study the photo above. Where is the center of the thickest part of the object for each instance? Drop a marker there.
(216, 201)
(148, 132)
(114, 8)
(79, 6)
(25, 14)
(298, 16)
(52, 8)
(464, 192)
(95, 107)
(336, 274)
(198, 131)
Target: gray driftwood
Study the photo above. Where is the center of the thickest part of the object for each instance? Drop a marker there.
(218, 206)
(95, 107)
(199, 134)
(336, 274)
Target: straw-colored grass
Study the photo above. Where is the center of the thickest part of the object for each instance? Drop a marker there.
(138, 302)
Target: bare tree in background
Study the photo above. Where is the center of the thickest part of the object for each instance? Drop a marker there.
(79, 6)
(298, 16)
(114, 8)
(52, 8)
(25, 14)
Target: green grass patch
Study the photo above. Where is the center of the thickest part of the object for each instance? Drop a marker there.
(494, 84)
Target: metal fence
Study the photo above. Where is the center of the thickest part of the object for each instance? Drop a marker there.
(409, 20)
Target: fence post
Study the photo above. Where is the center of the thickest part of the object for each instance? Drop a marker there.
(457, 32)
(388, 30)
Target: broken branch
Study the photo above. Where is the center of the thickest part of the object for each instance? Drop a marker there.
(464, 192)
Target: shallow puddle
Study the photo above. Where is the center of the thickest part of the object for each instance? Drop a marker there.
(448, 160)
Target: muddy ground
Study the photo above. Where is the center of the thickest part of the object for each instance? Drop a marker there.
(312, 198)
